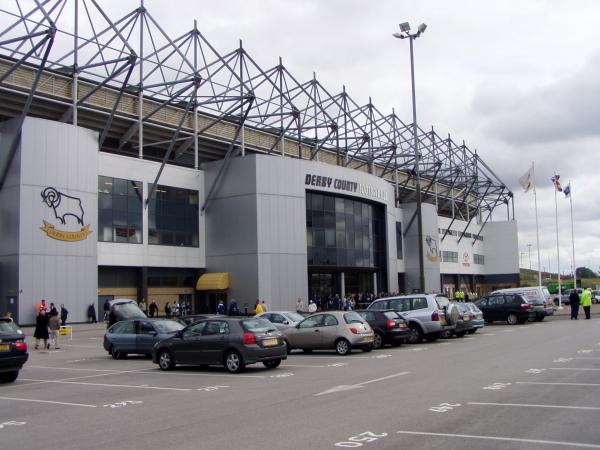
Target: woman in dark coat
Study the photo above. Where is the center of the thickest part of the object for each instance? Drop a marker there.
(41, 329)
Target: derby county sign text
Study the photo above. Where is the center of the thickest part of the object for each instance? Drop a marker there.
(345, 185)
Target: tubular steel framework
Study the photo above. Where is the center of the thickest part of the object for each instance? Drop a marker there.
(179, 101)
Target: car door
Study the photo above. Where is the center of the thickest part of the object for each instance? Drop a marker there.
(482, 304)
(183, 347)
(497, 307)
(308, 333)
(146, 336)
(124, 340)
(213, 341)
(329, 331)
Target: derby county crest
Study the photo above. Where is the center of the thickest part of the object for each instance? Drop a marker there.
(66, 209)
(432, 252)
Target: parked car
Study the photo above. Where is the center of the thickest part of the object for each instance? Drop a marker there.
(13, 350)
(232, 342)
(339, 330)
(428, 315)
(595, 296)
(477, 319)
(138, 336)
(193, 318)
(282, 319)
(538, 296)
(510, 307)
(465, 321)
(124, 309)
(388, 327)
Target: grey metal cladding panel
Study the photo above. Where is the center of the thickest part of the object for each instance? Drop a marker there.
(238, 179)
(282, 280)
(243, 277)
(231, 226)
(281, 224)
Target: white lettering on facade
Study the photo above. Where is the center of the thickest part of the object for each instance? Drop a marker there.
(345, 185)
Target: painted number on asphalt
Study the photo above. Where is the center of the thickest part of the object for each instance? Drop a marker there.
(212, 388)
(122, 404)
(360, 439)
(337, 365)
(282, 375)
(585, 350)
(496, 386)
(562, 360)
(11, 423)
(535, 370)
(444, 407)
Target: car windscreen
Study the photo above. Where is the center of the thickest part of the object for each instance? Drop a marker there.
(353, 317)
(442, 301)
(294, 316)
(168, 326)
(7, 326)
(128, 310)
(391, 315)
(257, 325)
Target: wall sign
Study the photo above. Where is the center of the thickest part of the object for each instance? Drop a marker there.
(345, 185)
(466, 262)
(64, 206)
(431, 252)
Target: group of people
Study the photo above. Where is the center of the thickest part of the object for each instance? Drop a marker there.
(47, 324)
(585, 301)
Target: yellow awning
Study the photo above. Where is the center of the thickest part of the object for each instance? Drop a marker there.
(213, 281)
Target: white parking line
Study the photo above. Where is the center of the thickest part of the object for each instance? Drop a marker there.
(587, 357)
(557, 384)
(47, 401)
(500, 438)
(112, 385)
(345, 387)
(574, 368)
(585, 408)
(221, 375)
(70, 368)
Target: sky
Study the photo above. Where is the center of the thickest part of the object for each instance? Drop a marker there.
(518, 81)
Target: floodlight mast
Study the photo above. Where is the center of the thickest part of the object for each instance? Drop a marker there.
(405, 34)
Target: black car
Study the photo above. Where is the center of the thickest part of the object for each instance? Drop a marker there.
(389, 327)
(13, 350)
(226, 341)
(512, 308)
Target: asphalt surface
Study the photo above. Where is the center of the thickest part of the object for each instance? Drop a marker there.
(521, 387)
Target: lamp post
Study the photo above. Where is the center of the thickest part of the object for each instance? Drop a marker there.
(405, 34)
(529, 249)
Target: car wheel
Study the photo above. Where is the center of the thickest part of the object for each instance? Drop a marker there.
(367, 348)
(9, 377)
(166, 360)
(432, 337)
(307, 350)
(396, 344)
(234, 362)
(117, 354)
(512, 319)
(446, 334)
(472, 331)
(342, 347)
(461, 333)
(377, 341)
(539, 318)
(272, 364)
(416, 335)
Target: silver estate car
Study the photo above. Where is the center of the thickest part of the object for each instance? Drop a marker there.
(282, 319)
(428, 315)
(339, 330)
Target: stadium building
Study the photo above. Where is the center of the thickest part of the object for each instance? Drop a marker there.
(135, 164)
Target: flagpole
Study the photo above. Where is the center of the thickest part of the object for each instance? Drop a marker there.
(557, 248)
(537, 228)
(572, 236)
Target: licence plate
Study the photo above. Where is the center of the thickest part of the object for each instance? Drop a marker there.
(4, 347)
(466, 317)
(402, 325)
(368, 339)
(269, 342)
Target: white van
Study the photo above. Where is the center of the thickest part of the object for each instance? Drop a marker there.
(539, 296)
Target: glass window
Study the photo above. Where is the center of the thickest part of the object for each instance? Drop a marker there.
(329, 321)
(195, 330)
(399, 252)
(145, 328)
(167, 326)
(216, 327)
(127, 328)
(257, 325)
(353, 317)
(400, 304)
(277, 318)
(119, 210)
(312, 322)
(419, 303)
(173, 217)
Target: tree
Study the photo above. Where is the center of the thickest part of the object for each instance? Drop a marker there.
(584, 272)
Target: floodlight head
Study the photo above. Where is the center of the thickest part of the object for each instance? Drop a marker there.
(404, 27)
(422, 28)
(399, 36)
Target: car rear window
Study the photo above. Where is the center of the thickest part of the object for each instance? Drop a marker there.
(128, 310)
(391, 315)
(442, 301)
(167, 326)
(294, 316)
(353, 317)
(7, 326)
(257, 325)
(534, 297)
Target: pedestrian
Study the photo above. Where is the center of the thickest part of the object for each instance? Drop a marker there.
(586, 302)
(91, 313)
(175, 309)
(153, 308)
(168, 310)
(142, 305)
(63, 314)
(233, 308)
(264, 306)
(220, 307)
(258, 307)
(41, 329)
(312, 307)
(8, 315)
(299, 305)
(106, 309)
(42, 306)
(574, 303)
(53, 328)
(53, 309)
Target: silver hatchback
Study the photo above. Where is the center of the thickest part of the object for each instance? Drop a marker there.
(339, 330)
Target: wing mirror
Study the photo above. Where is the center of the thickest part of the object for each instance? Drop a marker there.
(286, 322)
(152, 333)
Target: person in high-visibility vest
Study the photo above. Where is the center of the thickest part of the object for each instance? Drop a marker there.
(457, 295)
(586, 302)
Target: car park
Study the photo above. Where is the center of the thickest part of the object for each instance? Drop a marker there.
(339, 330)
(477, 319)
(428, 315)
(510, 307)
(388, 327)
(138, 336)
(232, 342)
(538, 296)
(282, 319)
(13, 350)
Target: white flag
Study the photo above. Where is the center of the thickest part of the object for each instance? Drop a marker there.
(526, 181)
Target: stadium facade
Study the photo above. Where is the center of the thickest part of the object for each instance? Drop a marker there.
(137, 165)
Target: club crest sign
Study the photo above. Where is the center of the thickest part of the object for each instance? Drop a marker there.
(432, 252)
(64, 207)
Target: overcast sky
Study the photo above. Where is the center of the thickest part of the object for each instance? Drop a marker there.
(518, 81)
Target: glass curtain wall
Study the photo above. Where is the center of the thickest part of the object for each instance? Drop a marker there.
(173, 217)
(119, 210)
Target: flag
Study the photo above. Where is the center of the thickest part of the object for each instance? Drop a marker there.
(526, 181)
(567, 190)
(556, 180)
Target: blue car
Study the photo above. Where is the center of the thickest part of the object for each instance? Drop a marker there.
(138, 336)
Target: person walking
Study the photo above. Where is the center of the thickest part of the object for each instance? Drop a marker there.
(312, 307)
(221, 307)
(258, 307)
(168, 310)
(54, 328)
(586, 302)
(63, 314)
(106, 309)
(299, 305)
(153, 308)
(142, 305)
(92, 314)
(233, 308)
(41, 329)
(574, 303)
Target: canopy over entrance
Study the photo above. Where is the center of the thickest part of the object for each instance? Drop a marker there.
(213, 282)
